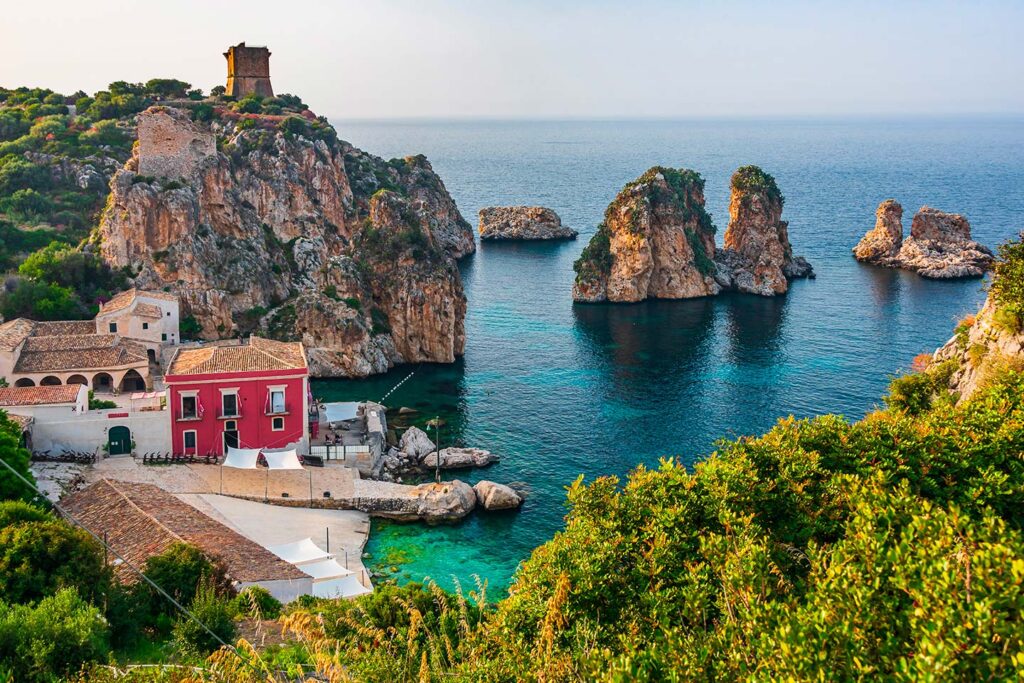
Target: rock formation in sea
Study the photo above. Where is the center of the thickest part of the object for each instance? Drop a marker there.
(271, 224)
(657, 241)
(939, 245)
(494, 496)
(416, 455)
(522, 223)
(756, 250)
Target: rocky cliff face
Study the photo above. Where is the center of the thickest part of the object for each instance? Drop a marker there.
(939, 246)
(756, 249)
(522, 223)
(982, 348)
(657, 241)
(288, 231)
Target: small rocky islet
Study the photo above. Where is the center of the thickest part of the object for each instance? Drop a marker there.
(939, 246)
(658, 242)
(522, 223)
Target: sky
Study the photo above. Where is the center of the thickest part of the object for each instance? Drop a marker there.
(375, 59)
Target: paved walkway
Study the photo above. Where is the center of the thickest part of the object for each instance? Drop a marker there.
(199, 478)
(274, 525)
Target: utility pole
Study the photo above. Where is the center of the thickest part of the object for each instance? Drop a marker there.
(437, 447)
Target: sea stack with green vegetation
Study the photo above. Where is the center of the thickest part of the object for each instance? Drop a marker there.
(658, 242)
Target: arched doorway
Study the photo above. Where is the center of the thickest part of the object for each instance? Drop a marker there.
(24, 382)
(102, 383)
(50, 381)
(132, 381)
(119, 441)
(77, 379)
(151, 354)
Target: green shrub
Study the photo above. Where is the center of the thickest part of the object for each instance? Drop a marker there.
(38, 558)
(51, 639)
(19, 512)
(181, 569)
(1007, 288)
(12, 488)
(596, 260)
(189, 328)
(256, 602)
(99, 404)
(915, 392)
(215, 612)
(751, 179)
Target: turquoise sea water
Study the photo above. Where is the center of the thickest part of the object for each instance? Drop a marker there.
(560, 390)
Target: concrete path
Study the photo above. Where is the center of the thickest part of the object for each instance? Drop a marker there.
(274, 525)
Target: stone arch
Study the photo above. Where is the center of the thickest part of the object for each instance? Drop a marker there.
(132, 381)
(77, 379)
(24, 382)
(50, 381)
(102, 383)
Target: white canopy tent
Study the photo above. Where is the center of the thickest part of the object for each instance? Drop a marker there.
(241, 458)
(344, 587)
(325, 569)
(283, 460)
(341, 412)
(300, 551)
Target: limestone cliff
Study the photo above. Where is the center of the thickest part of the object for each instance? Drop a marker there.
(657, 241)
(939, 246)
(280, 228)
(756, 248)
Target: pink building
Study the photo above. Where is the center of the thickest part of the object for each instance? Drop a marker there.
(251, 396)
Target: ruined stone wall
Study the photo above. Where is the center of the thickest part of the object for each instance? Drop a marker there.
(171, 145)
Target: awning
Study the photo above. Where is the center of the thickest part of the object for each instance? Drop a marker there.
(139, 395)
(345, 587)
(325, 569)
(300, 551)
(283, 460)
(241, 458)
(340, 412)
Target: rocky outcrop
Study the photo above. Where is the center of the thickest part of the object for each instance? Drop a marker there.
(459, 458)
(494, 496)
(434, 502)
(886, 238)
(415, 443)
(756, 249)
(291, 233)
(522, 223)
(939, 246)
(657, 241)
(984, 346)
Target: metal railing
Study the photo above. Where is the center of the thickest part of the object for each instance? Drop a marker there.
(338, 452)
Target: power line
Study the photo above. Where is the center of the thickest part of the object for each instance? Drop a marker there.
(131, 566)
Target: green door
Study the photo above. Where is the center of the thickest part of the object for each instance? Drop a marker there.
(120, 441)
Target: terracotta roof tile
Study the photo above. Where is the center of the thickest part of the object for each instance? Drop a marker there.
(141, 520)
(22, 421)
(258, 355)
(34, 396)
(125, 299)
(148, 310)
(78, 352)
(13, 332)
(60, 327)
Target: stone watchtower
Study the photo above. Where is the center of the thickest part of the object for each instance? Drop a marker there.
(248, 71)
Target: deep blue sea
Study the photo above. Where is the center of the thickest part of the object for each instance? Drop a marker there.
(560, 390)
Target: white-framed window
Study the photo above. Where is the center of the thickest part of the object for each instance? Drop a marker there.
(229, 405)
(275, 401)
(277, 424)
(188, 440)
(189, 409)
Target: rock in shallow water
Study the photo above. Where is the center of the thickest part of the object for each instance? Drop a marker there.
(460, 458)
(522, 223)
(494, 496)
(415, 442)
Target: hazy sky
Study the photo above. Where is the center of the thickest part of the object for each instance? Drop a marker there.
(436, 58)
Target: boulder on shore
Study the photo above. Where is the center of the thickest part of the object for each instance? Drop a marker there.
(522, 223)
(415, 442)
(939, 247)
(494, 496)
(444, 502)
(460, 458)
